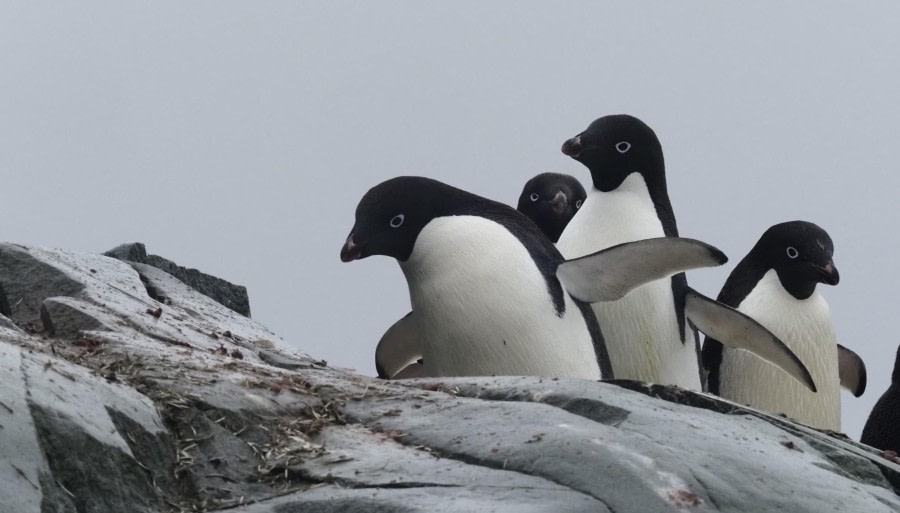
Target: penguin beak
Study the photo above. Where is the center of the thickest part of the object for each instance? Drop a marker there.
(559, 202)
(829, 273)
(573, 147)
(351, 250)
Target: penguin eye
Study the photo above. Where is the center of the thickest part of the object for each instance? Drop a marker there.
(397, 220)
(578, 204)
(623, 146)
(792, 252)
(534, 196)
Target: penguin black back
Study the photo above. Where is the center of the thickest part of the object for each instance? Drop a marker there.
(882, 430)
(799, 251)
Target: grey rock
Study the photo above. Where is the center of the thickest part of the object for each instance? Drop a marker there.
(286, 362)
(65, 317)
(657, 457)
(6, 322)
(20, 470)
(172, 402)
(335, 499)
(78, 293)
(26, 282)
(129, 252)
(63, 438)
(225, 293)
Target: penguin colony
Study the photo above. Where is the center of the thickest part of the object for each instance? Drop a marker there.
(591, 284)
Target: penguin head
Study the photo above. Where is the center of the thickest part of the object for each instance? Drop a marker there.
(390, 216)
(801, 253)
(551, 200)
(613, 147)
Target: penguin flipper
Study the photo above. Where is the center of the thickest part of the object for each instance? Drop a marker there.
(852, 371)
(610, 274)
(399, 348)
(411, 371)
(739, 331)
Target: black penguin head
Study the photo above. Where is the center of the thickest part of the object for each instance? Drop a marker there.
(390, 216)
(551, 200)
(615, 146)
(801, 253)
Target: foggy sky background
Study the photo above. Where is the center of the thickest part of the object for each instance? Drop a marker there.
(238, 137)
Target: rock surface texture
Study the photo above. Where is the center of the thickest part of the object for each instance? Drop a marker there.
(123, 389)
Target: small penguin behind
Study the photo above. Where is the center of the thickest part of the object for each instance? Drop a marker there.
(776, 284)
(490, 293)
(651, 333)
(882, 429)
(551, 200)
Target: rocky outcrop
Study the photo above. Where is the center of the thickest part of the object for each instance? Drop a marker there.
(227, 294)
(111, 400)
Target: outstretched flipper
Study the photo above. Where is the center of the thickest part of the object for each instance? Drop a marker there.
(735, 329)
(610, 274)
(399, 348)
(852, 371)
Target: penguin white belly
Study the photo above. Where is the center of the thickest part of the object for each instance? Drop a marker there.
(806, 327)
(484, 308)
(641, 329)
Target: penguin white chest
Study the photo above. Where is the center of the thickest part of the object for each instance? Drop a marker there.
(641, 329)
(605, 219)
(807, 329)
(484, 307)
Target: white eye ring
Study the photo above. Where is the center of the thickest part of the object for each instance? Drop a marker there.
(578, 204)
(792, 252)
(534, 196)
(623, 146)
(397, 220)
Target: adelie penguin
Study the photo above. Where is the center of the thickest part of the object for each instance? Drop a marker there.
(490, 293)
(647, 334)
(882, 430)
(776, 284)
(549, 200)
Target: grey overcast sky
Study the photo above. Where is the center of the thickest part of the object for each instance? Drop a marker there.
(238, 137)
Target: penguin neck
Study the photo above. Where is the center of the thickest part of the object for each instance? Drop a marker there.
(554, 227)
(654, 182)
(797, 286)
(752, 269)
(743, 279)
(429, 255)
(606, 219)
